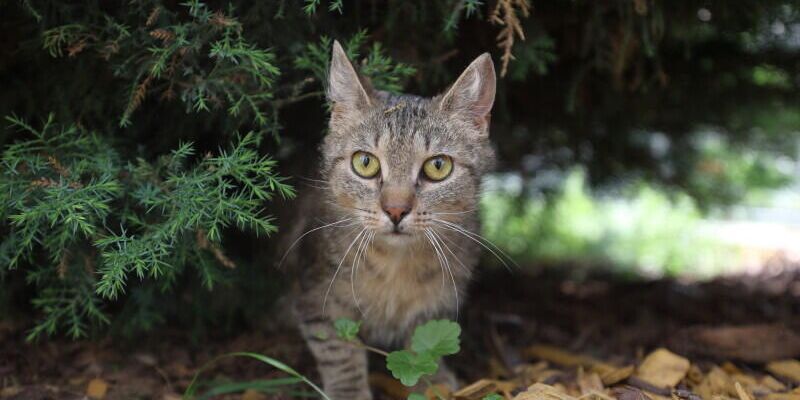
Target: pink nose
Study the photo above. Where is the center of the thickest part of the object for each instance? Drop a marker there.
(396, 213)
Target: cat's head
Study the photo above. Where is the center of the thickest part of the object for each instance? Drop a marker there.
(395, 164)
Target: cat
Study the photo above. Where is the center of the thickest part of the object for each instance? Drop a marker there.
(401, 177)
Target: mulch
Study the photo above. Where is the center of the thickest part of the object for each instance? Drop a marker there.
(534, 335)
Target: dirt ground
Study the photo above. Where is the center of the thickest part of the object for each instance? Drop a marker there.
(519, 329)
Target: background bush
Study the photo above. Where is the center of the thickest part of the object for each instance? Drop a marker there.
(149, 143)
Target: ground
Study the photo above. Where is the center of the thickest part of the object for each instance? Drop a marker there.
(569, 334)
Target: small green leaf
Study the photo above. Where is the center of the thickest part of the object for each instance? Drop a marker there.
(347, 329)
(409, 367)
(493, 396)
(416, 396)
(437, 338)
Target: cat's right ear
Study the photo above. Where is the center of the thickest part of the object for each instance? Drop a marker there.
(346, 90)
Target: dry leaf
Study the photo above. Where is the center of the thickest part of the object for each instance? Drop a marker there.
(589, 382)
(615, 375)
(559, 356)
(741, 392)
(773, 384)
(97, 388)
(476, 390)
(782, 396)
(540, 391)
(716, 383)
(786, 368)
(663, 368)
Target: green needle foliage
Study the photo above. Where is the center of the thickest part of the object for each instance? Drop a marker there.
(124, 198)
(84, 222)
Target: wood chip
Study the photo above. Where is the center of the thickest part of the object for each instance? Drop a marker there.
(97, 388)
(616, 375)
(741, 392)
(789, 369)
(559, 356)
(540, 391)
(589, 382)
(663, 368)
(483, 387)
(782, 396)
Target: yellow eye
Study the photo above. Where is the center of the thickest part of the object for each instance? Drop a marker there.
(365, 164)
(438, 167)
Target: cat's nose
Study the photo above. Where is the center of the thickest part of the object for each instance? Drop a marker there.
(396, 213)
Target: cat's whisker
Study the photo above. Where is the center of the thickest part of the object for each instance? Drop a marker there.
(447, 266)
(360, 251)
(479, 240)
(438, 255)
(338, 267)
(332, 224)
(453, 212)
(441, 238)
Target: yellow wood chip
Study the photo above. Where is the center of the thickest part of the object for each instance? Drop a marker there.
(589, 382)
(482, 388)
(663, 368)
(97, 388)
(559, 356)
(785, 368)
(540, 391)
(773, 384)
(616, 375)
(716, 383)
(743, 395)
(782, 396)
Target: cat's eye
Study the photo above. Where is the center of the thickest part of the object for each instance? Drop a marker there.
(438, 167)
(365, 164)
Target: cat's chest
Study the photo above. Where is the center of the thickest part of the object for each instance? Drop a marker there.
(396, 288)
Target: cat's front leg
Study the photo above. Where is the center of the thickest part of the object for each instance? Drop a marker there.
(342, 366)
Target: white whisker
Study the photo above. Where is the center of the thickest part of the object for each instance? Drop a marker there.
(447, 266)
(360, 250)
(441, 238)
(479, 240)
(305, 234)
(338, 267)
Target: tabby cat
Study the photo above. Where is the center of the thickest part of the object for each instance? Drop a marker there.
(394, 219)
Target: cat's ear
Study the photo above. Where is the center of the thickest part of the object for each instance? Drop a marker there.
(346, 89)
(472, 95)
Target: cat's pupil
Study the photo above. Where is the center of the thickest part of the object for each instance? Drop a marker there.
(438, 163)
(365, 161)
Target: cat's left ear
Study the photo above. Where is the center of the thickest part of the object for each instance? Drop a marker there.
(472, 95)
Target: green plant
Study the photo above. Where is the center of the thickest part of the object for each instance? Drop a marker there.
(430, 342)
(264, 386)
(83, 221)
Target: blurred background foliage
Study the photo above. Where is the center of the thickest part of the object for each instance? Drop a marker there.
(630, 132)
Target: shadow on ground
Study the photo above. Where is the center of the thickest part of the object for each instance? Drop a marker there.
(600, 316)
